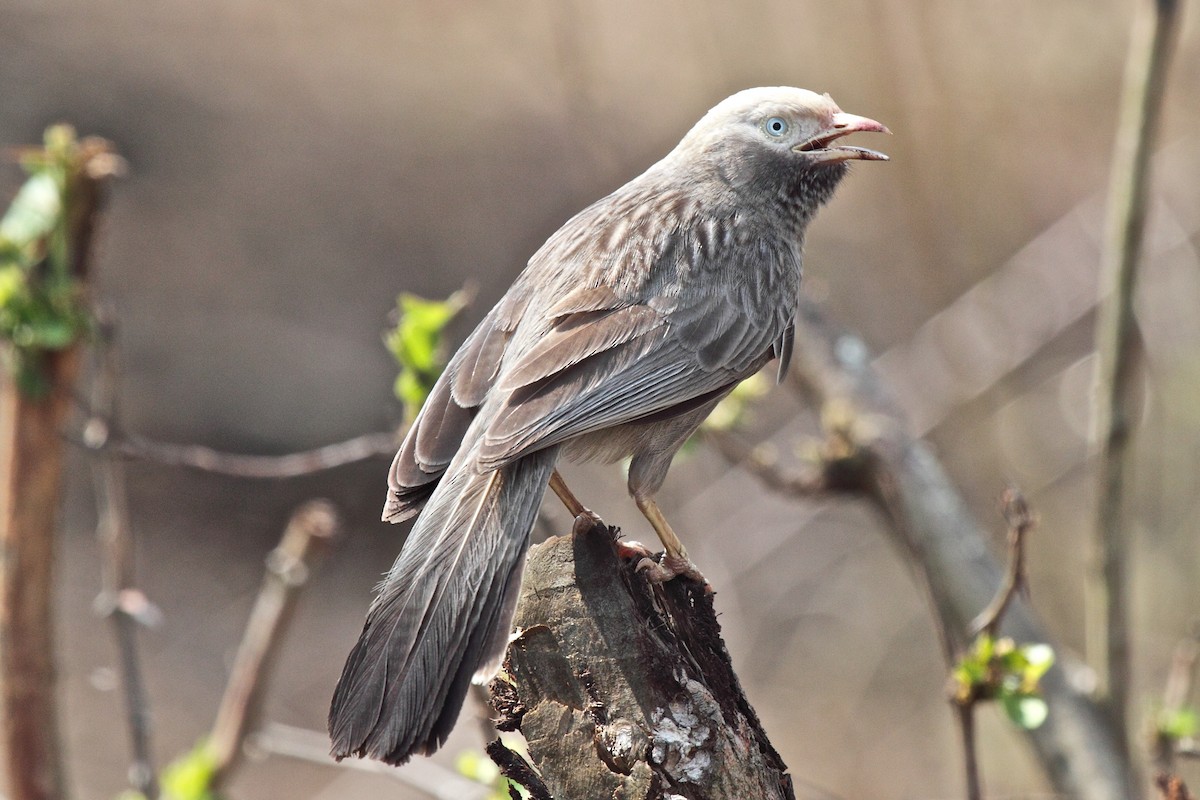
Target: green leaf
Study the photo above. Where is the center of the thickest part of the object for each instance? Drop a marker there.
(1038, 660)
(1182, 723)
(481, 769)
(34, 213)
(970, 671)
(974, 666)
(411, 390)
(1026, 711)
(41, 302)
(477, 767)
(999, 669)
(51, 333)
(190, 776)
(12, 284)
(417, 344)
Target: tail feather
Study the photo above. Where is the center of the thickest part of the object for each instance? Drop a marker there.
(442, 613)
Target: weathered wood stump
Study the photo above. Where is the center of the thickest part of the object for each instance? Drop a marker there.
(625, 690)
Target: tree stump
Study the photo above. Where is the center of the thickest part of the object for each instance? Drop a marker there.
(624, 689)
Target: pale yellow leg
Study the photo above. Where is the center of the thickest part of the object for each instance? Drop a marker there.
(577, 509)
(675, 560)
(666, 534)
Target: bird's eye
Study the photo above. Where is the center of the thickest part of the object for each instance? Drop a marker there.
(776, 126)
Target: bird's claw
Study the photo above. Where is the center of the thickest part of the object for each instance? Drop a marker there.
(630, 549)
(585, 521)
(671, 567)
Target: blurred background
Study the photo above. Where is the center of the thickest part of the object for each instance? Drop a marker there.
(293, 166)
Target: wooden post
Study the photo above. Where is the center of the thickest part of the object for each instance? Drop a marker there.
(31, 456)
(624, 689)
(31, 453)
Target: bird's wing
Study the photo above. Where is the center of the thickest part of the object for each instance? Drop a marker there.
(599, 357)
(438, 430)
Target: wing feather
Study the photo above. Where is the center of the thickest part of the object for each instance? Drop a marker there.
(577, 339)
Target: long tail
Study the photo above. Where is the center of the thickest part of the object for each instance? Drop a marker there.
(442, 614)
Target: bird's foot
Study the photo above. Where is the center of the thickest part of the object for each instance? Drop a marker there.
(632, 550)
(585, 521)
(670, 567)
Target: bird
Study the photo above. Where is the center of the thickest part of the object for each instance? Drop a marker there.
(620, 335)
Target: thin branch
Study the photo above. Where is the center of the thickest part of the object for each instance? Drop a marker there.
(1020, 522)
(289, 566)
(1118, 347)
(1173, 787)
(965, 714)
(1176, 694)
(291, 465)
(1182, 676)
(119, 598)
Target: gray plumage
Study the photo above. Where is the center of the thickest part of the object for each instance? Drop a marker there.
(619, 337)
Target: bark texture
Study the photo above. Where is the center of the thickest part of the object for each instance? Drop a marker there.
(31, 469)
(625, 690)
(31, 457)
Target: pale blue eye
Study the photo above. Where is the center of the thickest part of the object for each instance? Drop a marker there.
(776, 126)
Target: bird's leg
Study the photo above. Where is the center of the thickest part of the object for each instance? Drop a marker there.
(675, 560)
(569, 499)
(627, 550)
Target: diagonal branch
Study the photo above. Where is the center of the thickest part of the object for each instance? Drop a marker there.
(308, 534)
(944, 544)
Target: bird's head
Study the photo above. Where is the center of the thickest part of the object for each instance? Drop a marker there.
(778, 142)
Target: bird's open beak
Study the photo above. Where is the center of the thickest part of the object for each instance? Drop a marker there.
(843, 125)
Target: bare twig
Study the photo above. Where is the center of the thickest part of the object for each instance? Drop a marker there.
(289, 566)
(291, 465)
(1173, 787)
(1182, 676)
(965, 713)
(1020, 522)
(1118, 347)
(119, 598)
(1164, 744)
